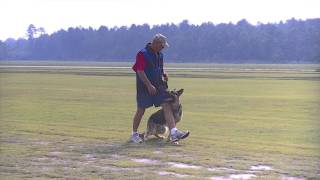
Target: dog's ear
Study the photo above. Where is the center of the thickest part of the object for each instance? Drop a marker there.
(180, 92)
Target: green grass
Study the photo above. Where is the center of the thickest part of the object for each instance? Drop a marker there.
(76, 122)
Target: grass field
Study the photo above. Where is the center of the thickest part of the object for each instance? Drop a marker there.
(246, 121)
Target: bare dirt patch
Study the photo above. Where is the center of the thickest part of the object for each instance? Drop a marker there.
(166, 173)
(235, 176)
(292, 178)
(183, 165)
(146, 161)
(72, 159)
(261, 168)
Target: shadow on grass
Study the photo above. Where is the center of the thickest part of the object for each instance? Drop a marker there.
(124, 148)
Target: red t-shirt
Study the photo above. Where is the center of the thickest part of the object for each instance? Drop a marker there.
(140, 64)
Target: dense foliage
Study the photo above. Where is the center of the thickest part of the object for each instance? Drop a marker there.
(293, 41)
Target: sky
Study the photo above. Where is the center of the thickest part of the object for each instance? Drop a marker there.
(53, 15)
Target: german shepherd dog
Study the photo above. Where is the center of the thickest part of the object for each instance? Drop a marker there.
(157, 125)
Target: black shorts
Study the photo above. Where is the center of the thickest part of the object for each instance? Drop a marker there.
(144, 100)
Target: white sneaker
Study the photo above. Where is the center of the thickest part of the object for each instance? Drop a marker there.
(179, 135)
(135, 138)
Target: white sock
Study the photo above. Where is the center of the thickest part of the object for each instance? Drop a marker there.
(134, 132)
(173, 130)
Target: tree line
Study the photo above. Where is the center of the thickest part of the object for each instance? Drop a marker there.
(292, 41)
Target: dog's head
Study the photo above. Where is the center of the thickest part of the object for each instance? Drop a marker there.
(175, 95)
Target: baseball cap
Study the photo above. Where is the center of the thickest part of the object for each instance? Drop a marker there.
(162, 39)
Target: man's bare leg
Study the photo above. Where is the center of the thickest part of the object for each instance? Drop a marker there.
(135, 124)
(175, 134)
(168, 115)
(137, 119)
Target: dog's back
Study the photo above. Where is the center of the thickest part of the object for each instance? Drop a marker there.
(158, 117)
(156, 124)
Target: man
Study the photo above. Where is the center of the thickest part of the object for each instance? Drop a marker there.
(151, 89)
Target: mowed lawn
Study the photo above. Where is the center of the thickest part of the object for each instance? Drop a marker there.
(77, 125)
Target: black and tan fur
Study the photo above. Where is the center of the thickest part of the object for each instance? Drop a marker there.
(157, 125)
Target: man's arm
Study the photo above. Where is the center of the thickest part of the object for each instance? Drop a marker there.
(151, 89)
(165, 75)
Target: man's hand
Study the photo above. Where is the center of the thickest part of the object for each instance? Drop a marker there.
(165, 76)
(152, 90)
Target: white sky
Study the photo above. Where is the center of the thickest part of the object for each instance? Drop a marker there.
(16, 15)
